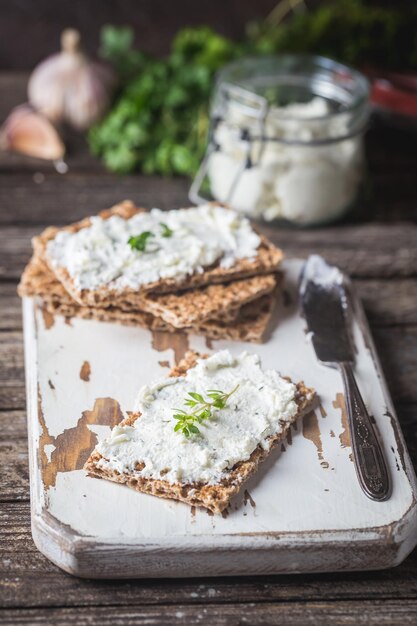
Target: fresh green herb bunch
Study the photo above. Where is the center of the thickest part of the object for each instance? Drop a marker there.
(116, 46)
(356, 32)
(159, 122)
(187, 422)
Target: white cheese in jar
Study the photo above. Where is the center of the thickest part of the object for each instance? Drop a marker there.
(261, 406)
(182, 242)
(304, 183)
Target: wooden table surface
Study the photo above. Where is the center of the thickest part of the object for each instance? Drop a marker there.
(377, 246)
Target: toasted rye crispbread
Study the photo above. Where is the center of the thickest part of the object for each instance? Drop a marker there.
(267, 261)
(182, 310)
(216, 498)
(220, 302)
(246, 323)
(250, 324)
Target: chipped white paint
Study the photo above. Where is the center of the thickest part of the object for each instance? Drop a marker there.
(309, 515)
(49, 448)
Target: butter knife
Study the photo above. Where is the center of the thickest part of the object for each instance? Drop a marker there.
(325, 305)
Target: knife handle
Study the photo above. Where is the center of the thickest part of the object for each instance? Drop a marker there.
(368, 456)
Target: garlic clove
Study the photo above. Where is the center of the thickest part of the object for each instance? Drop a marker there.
(70, 87)
(30, 133)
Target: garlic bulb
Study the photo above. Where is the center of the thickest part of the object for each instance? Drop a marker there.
(70, 87)
(31, 133)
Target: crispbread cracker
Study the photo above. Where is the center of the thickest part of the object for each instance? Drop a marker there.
(237, 310)
(267, 261)
(188, 308)
(216, 498)
(213, 302)
(250, 324)
(38, 280)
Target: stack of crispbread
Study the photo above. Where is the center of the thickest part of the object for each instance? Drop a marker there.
(220, 303)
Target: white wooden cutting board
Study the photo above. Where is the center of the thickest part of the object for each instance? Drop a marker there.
(303, 512)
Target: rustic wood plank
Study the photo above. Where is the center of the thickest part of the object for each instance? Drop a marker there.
(53, 198)
(13, 397)
(32, 194)
(407, 415)
(361, 252)
(13, 425)
(14, 460)
(15, 470)
(11, 358)
(32, 197)
(12, 91)
(10, 307)
(28, 579)
(397, 350)
(298, 614)
(366, 251)
(389, 302)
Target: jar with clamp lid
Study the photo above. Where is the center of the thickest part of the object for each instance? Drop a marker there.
(286, 139)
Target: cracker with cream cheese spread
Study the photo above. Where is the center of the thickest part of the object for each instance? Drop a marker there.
(248, 322)
(185, 309)
(214, 497)
(266, 261)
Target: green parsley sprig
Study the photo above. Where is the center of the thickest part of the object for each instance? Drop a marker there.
(166, 230)
(187, 422)
(138, 242)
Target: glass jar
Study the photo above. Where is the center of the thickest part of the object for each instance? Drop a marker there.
(286, 139)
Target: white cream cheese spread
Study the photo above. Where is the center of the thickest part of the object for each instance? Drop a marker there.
(306, 175)
(261, 405)
(198, 237)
